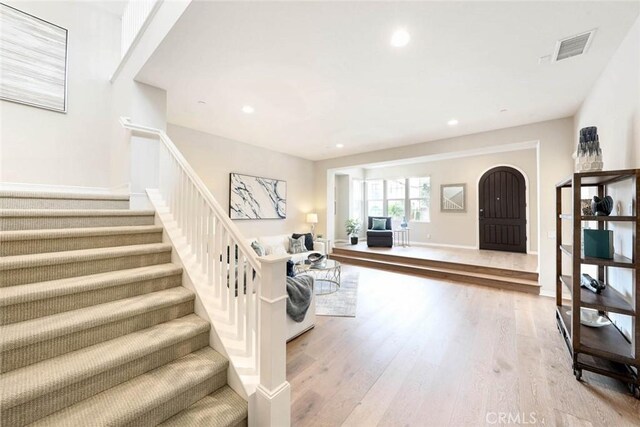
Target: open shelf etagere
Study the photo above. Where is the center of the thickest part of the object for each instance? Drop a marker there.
(605, 350)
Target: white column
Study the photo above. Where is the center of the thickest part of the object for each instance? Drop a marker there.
(273, 394)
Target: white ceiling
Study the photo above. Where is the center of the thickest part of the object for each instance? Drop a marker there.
(323, 73)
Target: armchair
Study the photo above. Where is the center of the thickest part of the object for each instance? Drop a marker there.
(379, 238)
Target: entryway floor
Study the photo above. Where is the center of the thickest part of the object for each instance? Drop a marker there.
(495, 259)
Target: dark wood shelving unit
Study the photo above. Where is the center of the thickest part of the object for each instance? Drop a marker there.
(605, 350)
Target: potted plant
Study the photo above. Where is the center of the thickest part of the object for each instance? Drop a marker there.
(353, 228)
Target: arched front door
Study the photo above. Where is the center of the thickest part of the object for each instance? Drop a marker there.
(503, 210)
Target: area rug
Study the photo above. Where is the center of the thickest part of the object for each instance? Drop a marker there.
(341, 303)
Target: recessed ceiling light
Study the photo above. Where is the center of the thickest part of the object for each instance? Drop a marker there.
(452, 122)
(339, 145)
(202, 102)
(248, 109)
(400, 38)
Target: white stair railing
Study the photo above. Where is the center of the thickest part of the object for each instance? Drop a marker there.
(248, 292)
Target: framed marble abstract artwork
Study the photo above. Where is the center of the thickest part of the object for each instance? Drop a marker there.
(33, 60)
(253, 197)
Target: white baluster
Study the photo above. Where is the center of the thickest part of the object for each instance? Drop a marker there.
(233, 282)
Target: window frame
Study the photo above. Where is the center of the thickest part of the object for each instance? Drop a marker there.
(407, 199)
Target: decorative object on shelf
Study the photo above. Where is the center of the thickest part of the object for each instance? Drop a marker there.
(352, 227)
(592, 284)
(404, 223)
(252, 197)
(34, 60)
(602, 207)
(585, 206)
(453, 198)
(598, 244)
(619, 209)
(592, 318)
(312, 218)
(588, 153)
(317, 260)
(319, 236)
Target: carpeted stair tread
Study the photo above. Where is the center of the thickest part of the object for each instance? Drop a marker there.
(65, 257)
(26, 383)
(130, 401)
(43, 213)
(62, 233)
(223, 408)
(21, 334)
(19, 294)
(26, 194)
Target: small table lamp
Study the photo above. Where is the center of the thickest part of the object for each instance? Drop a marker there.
(312, 218)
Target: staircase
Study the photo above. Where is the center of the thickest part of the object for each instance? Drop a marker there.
(95, 326)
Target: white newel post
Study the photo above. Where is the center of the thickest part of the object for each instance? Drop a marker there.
(273, 394)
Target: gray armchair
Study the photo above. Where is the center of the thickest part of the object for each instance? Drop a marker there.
(379, 238)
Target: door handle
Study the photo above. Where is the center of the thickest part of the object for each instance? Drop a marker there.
(481, 213)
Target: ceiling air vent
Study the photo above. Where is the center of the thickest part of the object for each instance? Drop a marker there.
(573, 46)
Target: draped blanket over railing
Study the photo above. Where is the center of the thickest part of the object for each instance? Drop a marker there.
(245, 289)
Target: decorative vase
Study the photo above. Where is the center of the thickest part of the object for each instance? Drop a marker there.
(354, 240)
(602, 207)
(588, 153)
(404, 224)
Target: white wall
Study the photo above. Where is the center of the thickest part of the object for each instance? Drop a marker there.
(44, 147)
(554, 157)
(213, 158)
(613, 105)
(461, 229)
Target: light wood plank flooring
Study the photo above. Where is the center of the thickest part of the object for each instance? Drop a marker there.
(496, 259)
(423, 352)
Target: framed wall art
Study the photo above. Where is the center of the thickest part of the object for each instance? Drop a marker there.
(252, 197)
(33, 60)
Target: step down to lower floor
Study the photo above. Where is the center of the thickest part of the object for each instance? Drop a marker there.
(501, 282)
(150, 398)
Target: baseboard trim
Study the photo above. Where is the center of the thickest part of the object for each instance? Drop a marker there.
(547, 293)
(441, 245)
(72, 189)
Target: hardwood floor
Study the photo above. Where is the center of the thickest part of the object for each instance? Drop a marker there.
(421, 352)
(496, 259)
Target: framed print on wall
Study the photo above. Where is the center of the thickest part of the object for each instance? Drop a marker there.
(33, 60)
(253, 197)
(453, 198)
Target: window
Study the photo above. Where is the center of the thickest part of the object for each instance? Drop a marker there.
(419, 199)
(396, 198)
(399, 198)
(375, 198)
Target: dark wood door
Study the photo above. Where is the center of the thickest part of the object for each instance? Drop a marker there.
(503, 210)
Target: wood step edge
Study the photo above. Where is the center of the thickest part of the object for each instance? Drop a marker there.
(426, 270)
(448, 265)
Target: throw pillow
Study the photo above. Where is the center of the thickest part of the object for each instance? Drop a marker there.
(275, 250)
(260, 250)
(296, 246)
(379, 224)
(308, 240)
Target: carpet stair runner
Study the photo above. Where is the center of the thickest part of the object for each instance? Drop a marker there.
(95, 326)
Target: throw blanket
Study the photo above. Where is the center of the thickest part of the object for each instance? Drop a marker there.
(300, 290)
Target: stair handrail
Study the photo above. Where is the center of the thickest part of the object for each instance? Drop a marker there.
(221, 215)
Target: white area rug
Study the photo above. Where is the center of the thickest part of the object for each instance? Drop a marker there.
(341, 303)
